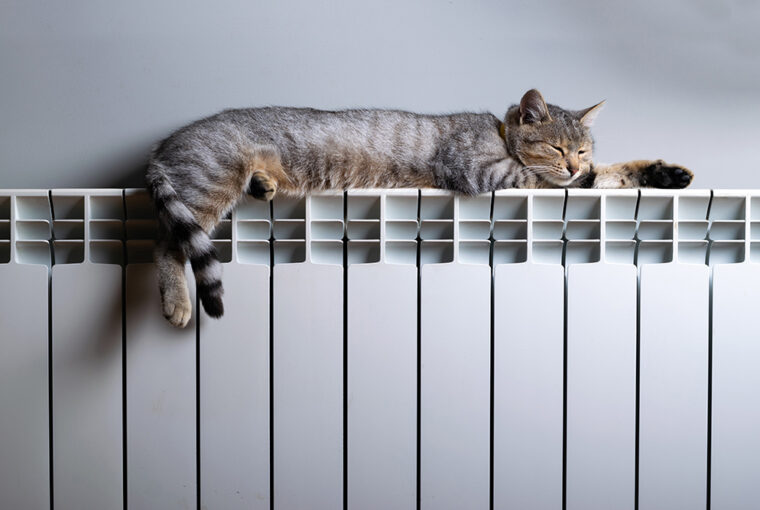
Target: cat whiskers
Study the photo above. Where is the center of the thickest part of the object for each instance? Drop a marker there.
(541, 169)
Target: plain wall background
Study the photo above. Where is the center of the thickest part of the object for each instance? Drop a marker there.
(87, 86)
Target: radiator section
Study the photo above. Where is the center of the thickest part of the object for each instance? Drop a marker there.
(25, 224)
(405, 349)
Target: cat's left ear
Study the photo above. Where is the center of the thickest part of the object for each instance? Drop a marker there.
(588, 115)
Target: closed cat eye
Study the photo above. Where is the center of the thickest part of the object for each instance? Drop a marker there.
(558, 149)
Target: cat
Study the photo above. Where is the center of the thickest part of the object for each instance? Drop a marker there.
(198, 174)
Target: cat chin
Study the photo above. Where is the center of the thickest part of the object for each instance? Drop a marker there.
(565, 182)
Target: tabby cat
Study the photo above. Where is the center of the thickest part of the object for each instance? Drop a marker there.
(198, 174)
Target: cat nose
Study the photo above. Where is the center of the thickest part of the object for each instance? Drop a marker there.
(572, 165)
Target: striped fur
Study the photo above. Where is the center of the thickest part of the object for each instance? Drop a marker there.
(199, 173)
(186, 235)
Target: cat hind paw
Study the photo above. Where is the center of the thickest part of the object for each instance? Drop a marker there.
(262, 186)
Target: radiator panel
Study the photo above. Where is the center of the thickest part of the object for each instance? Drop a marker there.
(735, 387)
(234, 394)
(382, 375)
(455, 386)
(87, 381)
(673, 403)
(24, 418)
(601, 386)
(528, 386)
(161, 399)
(308, 386)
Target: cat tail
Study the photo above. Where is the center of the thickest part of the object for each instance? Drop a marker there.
(182, 230)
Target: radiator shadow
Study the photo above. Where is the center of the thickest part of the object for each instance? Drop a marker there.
(97, 337)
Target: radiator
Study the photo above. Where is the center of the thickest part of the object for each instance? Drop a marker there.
(387, 350)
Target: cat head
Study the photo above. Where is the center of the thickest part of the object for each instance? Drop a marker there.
(552, 142)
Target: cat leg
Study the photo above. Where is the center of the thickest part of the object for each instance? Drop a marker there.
(640, 174)
(172, 283)
(490, 176)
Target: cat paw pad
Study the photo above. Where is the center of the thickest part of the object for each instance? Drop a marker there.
(663, 175)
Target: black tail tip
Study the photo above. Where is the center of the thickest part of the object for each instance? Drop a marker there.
(213, 305)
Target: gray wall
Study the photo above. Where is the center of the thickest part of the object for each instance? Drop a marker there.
(87, 86)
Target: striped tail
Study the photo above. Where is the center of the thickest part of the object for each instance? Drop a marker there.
(183, 232)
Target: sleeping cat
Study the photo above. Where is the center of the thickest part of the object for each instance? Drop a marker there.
(198, 174)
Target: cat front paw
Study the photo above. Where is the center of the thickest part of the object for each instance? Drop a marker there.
(664, 175)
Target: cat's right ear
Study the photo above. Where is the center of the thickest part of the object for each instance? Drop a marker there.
(533, 108)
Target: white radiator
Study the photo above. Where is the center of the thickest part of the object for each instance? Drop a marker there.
(387, 350)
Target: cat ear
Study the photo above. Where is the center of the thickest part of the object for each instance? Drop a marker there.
(588, 115)
(533, 108)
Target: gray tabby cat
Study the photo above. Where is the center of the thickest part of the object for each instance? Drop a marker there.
(198, 174)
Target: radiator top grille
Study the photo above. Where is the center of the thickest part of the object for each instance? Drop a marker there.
(512, 226)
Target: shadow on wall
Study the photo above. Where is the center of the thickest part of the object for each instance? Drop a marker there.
(131, 174)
